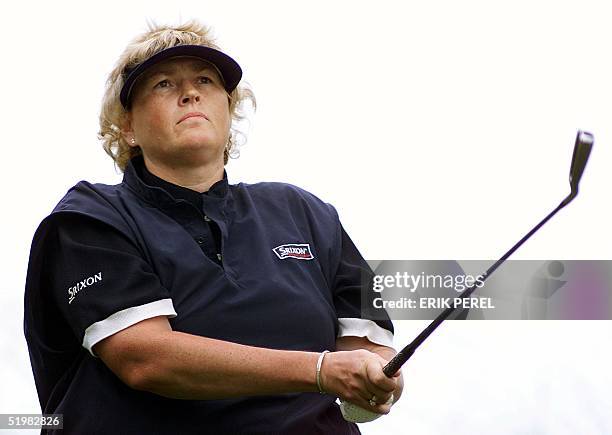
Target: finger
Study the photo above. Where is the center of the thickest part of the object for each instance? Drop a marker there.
(368, 399)
(376, 401)
(380, 407)
(377, 379)
(383, 409)
(366, 395)
(382, 396)
(370, 406)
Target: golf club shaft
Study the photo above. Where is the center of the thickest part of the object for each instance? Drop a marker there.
(403, 355)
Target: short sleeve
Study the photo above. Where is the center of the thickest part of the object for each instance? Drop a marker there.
(350, 287)
(99, 280)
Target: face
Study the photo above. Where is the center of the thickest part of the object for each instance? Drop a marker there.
(180, 113)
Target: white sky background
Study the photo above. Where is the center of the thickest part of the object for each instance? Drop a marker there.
(439, 130)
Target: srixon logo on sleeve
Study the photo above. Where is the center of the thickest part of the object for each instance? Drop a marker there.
(298, 251)
(87, 282)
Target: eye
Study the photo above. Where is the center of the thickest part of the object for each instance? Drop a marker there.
(204, 80)
(162, 84)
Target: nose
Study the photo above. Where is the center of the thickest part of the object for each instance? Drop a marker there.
(190, 94)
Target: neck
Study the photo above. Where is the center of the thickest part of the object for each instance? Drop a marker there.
(198, 178)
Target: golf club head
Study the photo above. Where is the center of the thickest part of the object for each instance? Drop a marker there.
(582, 149)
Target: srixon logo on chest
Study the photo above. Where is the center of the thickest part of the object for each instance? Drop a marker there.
(300, 251)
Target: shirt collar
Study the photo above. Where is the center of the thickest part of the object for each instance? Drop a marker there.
(161, 192)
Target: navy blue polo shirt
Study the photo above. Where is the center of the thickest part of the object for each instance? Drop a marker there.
(265, 265)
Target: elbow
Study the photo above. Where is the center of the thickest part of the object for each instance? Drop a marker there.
(140, 369)
(152, 377)
(139, 356)
(139, 376)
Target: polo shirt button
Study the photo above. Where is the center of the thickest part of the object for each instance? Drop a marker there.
(219, 257)
(206, 218)
(200, 240)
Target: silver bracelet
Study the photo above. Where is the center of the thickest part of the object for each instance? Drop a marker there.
(319, 363)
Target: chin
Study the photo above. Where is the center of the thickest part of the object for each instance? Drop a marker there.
(200, 150)
(201, 141)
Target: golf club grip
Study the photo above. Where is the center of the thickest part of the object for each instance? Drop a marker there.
(404, 355)
(396, 362)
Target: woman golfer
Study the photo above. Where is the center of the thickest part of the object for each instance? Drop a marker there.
(177, 302)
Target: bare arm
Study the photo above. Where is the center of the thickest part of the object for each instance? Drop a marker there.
(150, 356)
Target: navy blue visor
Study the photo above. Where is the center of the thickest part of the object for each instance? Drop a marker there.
(231, 72)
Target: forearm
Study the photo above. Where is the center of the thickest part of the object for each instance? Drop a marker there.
(184, 366)
(150, 356)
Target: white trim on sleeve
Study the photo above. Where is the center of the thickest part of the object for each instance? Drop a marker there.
(125, 318)
(365, 328)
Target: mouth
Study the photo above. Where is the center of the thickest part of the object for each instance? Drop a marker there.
(193, 115)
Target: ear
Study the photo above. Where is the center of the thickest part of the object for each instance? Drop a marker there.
(127, 131)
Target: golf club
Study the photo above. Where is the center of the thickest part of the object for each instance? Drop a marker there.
(582, 149)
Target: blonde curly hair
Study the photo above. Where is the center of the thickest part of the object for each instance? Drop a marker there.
(156, 39)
